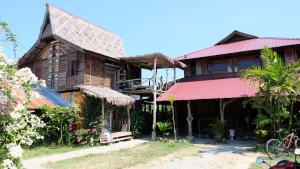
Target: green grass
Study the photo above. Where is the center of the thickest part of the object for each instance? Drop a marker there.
(49, 150)
(123, 158)
(259, 148)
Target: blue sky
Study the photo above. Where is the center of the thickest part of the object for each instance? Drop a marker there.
(173, 27)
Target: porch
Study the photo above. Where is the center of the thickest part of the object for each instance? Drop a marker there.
(200, 103)
(113, 114)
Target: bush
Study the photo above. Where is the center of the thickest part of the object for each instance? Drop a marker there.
(218, 130)
(164, 127)
(141, 123)
(60, 124)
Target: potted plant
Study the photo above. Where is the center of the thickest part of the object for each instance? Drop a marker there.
(218, 130)
(164, 127)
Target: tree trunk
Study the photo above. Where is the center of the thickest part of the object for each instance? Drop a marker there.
(174, 124)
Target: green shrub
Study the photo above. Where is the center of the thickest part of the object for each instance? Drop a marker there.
(218, 130)
(262, 135)
(164, 127)
(60, 124)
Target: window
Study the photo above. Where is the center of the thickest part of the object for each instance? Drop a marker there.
(193, 69)
(38, 70)
(217, 68)
(71, 68)
(245, 64)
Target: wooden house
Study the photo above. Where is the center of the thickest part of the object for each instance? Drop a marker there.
(211, 87)
(77, 58)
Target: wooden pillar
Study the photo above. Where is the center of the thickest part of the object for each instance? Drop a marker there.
(223, 105)
(174, 77)
(128, 118)
(102, 108)
(222, 111)
(110, 120)
(189, 121)
(154, 101)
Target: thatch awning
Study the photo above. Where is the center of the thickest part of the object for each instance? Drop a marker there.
(111, 96)
(146, 61)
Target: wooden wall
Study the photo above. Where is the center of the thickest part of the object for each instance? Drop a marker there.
(202, 64)
(97, 73)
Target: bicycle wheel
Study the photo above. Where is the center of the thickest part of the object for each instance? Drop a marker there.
(273, 149)
(297, 143)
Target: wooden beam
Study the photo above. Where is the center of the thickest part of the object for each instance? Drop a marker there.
(154, 101)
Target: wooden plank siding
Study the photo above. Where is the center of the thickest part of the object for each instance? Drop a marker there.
(94, 70)
(202, 65)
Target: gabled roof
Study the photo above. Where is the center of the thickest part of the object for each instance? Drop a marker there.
(236, 36)
(61, 25)
(250, 44)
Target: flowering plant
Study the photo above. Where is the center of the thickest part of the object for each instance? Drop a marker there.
(18, 126)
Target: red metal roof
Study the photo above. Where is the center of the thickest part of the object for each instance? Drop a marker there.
(37, 100)
(241, 46)
(210, 89)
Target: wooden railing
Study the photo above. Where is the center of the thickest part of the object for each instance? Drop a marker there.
(143, 84)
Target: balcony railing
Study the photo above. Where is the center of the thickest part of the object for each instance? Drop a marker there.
(143, 84)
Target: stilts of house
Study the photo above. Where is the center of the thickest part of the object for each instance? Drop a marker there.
(211, 87)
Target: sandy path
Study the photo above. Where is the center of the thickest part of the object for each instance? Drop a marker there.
(205, 157)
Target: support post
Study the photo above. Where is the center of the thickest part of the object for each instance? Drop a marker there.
(223, 105)
(189, 121)
(110, 121)
(222, 111)
(102, 112)
(128, 118)
(154, 101)
(174, 75)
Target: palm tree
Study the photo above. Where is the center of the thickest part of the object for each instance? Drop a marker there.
(278, 88)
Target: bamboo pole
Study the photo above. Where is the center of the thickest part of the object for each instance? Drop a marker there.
(154, 101)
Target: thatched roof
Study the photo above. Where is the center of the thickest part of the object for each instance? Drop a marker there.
(111, 96)
(146, 61)
(61, 25)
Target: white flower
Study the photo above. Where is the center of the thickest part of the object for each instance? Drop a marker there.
(25, 75)
(14, 150)
(9, 164)
(15, 115)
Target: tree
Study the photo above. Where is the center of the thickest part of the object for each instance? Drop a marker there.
(278, 88)
(171, 100)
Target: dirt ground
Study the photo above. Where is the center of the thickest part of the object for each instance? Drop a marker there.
(205, 156)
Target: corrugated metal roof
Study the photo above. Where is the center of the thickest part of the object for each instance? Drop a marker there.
(40, 96)
(241, 46)
(210, 89)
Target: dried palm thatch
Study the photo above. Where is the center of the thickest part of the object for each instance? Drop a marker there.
(111, 96)
(79, 33)
(146, 61)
